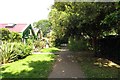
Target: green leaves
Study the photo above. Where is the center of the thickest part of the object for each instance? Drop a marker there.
(44, 25)
(13, 51)
(88, 20)
(7, 53)
(81, 17)
(6, 35)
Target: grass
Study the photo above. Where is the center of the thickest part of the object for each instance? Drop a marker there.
(87, 63)
(51, 50)
(33, 66)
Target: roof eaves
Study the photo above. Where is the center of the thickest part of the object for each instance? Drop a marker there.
(25, 28)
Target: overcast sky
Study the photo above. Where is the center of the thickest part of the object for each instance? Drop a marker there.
(24, 11)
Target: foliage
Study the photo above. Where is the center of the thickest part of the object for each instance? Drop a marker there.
(59, 21)
(113, 19)
(44, 25)
(8, 53)
(25, 51)
(15, 37)
(77, 45)
(82, 19)
(6, 35)
(51, 37)
(39, 44)
(30, 43)
(33, 66)
(22, 49)
(13, 51)
(51, 50)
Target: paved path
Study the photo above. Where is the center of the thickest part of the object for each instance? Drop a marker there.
(42, 53)
(66, 66)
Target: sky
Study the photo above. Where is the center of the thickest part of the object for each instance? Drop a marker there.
(24, 11)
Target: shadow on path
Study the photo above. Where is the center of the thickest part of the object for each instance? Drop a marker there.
(66, 66)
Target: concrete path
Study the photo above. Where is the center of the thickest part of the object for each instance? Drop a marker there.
(42, 53)
(66, 66)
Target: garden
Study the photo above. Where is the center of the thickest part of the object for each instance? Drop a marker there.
(33, 66)
(17, 60)
(92, 30)
(92, 27)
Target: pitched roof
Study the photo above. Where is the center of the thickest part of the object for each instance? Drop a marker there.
(16, 28)
(36, 30)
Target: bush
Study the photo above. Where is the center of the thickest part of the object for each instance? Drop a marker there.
(24, 49)
(13, 51)
(77, 45)
(52, 38)
(14, 36)
(8, 53)
(6, 35)
(39, 44)
(30, 43)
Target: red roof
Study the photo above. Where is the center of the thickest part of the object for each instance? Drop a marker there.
(16, 28)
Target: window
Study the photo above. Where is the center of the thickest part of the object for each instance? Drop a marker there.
(10, 25)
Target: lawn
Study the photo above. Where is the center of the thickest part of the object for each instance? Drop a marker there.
(51, 50)
(33, 66)
(97, 67)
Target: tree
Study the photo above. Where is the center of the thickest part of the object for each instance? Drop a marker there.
(58, 20)
(44, 25)
(82, 19)
(92, 15)
(113, 20)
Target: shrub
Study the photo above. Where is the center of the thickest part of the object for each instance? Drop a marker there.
(13, 51)
(39, 44)
(30, 43)
(6, 35)
(14, 36)
(52, 38)
(77, 45)
(8, 53)
(26, 50)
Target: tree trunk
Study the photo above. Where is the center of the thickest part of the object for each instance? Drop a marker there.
(94, 43)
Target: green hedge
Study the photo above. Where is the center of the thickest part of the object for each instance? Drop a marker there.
(77, 45)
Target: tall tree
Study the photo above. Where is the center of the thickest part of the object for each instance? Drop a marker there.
(44, 25)
(82, 19)
(113, 19)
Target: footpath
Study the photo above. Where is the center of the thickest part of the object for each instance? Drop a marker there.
(66, 66)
